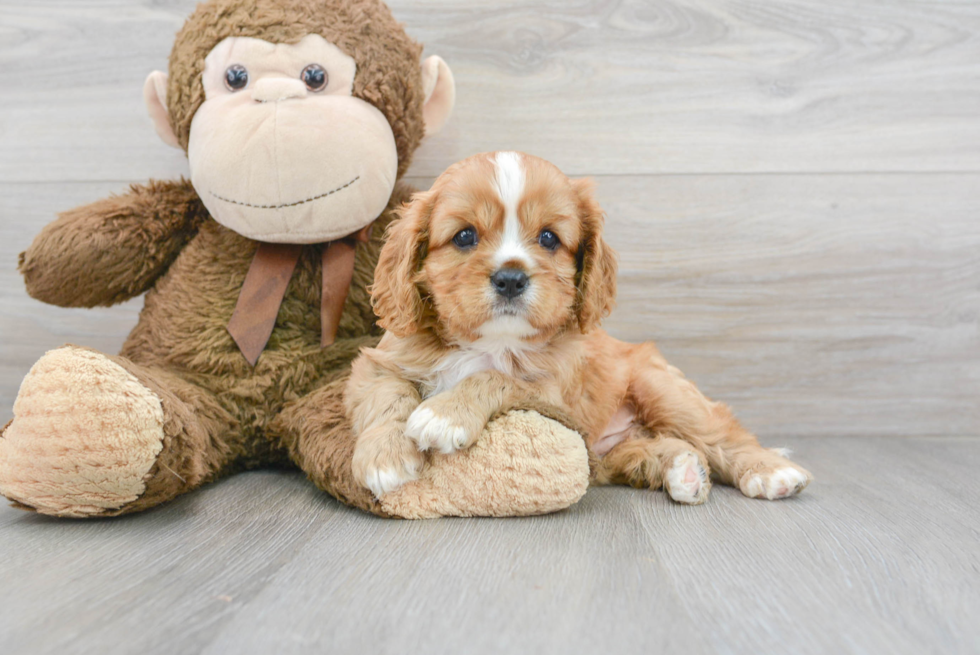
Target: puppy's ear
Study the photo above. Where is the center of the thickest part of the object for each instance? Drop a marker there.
(596, 276)
(395, 296)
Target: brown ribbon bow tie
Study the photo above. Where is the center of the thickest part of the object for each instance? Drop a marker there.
(265, 287)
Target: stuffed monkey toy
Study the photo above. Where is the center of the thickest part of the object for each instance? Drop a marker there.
(298, 117)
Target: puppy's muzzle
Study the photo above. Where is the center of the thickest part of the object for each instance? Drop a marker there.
(510, 282)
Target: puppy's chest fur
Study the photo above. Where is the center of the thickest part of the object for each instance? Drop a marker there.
(509, 356)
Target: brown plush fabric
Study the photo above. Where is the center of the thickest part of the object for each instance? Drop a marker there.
(388, 67)
(115, 249)
(558, 415)
(183, 326)
(201, 438)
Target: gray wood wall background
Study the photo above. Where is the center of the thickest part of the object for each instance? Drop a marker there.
(793, 186)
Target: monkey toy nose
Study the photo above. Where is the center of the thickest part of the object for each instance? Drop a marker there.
(274, 89)
(509, 282)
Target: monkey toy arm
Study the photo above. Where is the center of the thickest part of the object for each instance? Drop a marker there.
(113, 249)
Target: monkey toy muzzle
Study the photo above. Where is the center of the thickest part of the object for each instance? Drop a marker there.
(281, 151)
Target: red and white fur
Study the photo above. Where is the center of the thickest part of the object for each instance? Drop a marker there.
(491, 287)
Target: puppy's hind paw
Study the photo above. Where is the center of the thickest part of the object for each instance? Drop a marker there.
(687, 480)
(774, 484)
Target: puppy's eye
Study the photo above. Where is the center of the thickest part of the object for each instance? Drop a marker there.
(465, 238)
(236, 77)
(314, 77)
(548, 240)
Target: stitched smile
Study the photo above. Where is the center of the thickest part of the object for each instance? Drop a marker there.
(288, 204)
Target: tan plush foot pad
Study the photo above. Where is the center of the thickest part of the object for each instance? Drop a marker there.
(84, 435)
(523, 464)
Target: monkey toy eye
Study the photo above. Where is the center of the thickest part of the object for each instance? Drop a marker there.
(236, 77)
(314, 77)
(465, 239)
(548, 240)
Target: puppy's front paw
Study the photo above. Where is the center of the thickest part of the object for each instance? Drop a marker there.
(687, 480)
(774, 484)
(384, 462)
(441, 423)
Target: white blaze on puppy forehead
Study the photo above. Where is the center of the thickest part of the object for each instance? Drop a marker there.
(509, 184)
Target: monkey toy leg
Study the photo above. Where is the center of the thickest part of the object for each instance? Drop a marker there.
(526, 462)
(315, 431)
(95, 435)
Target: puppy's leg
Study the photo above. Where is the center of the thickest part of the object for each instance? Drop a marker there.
(667, 401)
(658, 462)
(452, 420)
(378, 404)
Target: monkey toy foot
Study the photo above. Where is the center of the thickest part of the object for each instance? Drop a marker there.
(523, 464)
(85, 435)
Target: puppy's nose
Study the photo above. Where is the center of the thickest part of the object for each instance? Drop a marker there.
(509, 282)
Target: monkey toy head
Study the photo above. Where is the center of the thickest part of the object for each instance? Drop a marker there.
(297, 116)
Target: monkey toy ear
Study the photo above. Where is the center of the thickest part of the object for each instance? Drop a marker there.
(440, 93)
(155, 97)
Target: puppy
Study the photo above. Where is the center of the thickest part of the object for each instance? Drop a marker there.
(491, 287)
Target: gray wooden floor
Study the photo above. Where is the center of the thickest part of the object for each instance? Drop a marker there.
(880, 555)
(794, 189)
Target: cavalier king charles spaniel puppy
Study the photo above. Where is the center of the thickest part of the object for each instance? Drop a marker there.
(491, 287)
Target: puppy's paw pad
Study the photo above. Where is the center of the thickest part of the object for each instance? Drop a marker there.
(781, 483)
(686, 480)
(433, 431)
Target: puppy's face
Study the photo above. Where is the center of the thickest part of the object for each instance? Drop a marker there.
(503, 245)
